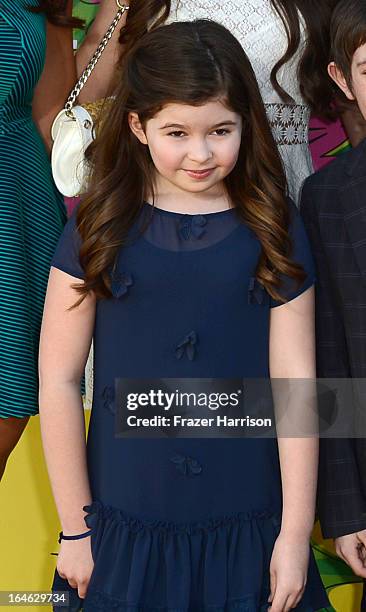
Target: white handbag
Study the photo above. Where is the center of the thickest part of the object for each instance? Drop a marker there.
(73, 129)
(72, 132)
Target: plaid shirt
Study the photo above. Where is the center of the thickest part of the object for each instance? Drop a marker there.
(333, 207)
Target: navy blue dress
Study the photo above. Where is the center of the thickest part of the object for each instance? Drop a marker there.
(197, 539)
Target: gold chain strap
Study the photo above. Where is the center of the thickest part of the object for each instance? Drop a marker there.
(122, 8)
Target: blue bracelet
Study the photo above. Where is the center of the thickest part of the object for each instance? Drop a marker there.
(73, 537)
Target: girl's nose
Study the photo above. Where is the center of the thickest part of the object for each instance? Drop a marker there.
(200, 152)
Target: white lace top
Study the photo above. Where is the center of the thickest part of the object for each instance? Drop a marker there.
(261, 32)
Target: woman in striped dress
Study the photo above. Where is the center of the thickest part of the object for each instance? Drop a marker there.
(32, 212)
(37, 71)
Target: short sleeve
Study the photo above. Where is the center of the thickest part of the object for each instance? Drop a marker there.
(66, 257)
(301, 254)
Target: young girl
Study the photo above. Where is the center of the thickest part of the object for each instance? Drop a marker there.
(176, 262)
(287, 42)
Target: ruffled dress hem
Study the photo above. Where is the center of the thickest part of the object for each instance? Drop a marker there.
(214, 565)
(99, 601)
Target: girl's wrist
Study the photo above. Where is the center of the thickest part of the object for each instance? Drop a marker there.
(79, 536)
(74, 525)
(75, 530)
(295, 534)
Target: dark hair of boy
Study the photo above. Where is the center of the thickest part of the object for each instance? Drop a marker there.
(348, 32)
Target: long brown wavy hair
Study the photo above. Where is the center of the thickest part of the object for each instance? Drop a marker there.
(187, 63)
(315, 85)
(55, 11)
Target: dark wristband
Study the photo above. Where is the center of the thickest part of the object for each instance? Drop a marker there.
(73, 537)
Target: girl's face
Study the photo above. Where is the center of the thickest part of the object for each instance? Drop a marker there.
(193, 148)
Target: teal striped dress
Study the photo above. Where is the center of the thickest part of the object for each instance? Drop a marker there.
(32, 212)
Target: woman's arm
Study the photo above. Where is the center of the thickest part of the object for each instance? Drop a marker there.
(57, 79)
(64, 347)
(99, 84)
(292, 356)
(62, 67)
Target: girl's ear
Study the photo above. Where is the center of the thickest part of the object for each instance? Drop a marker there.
(136, 127)
(338, 77)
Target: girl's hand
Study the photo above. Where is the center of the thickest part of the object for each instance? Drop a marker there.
(75, 563)
(288, 571)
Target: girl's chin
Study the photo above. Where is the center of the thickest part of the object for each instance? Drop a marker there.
(187, 184)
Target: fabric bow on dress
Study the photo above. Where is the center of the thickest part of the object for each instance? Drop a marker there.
(256, 292)
(121, 282)
(187, 346)
(192, 226)
(187, 465)
(108, 396)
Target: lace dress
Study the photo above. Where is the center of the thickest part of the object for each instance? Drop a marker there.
(183, 525)
(261, 32)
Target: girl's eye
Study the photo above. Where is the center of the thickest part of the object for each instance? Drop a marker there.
(177, 134)
(221, 132)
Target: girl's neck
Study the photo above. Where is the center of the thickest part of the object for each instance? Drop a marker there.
(190, 203)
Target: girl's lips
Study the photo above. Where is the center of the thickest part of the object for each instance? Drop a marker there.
(199, 174)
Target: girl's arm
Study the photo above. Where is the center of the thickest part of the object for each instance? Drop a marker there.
(99, 84)
(292, 355)
(57, 79)
(64, 347)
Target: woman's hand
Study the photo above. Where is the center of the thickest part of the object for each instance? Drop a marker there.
(288, 571)
(75, 563)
